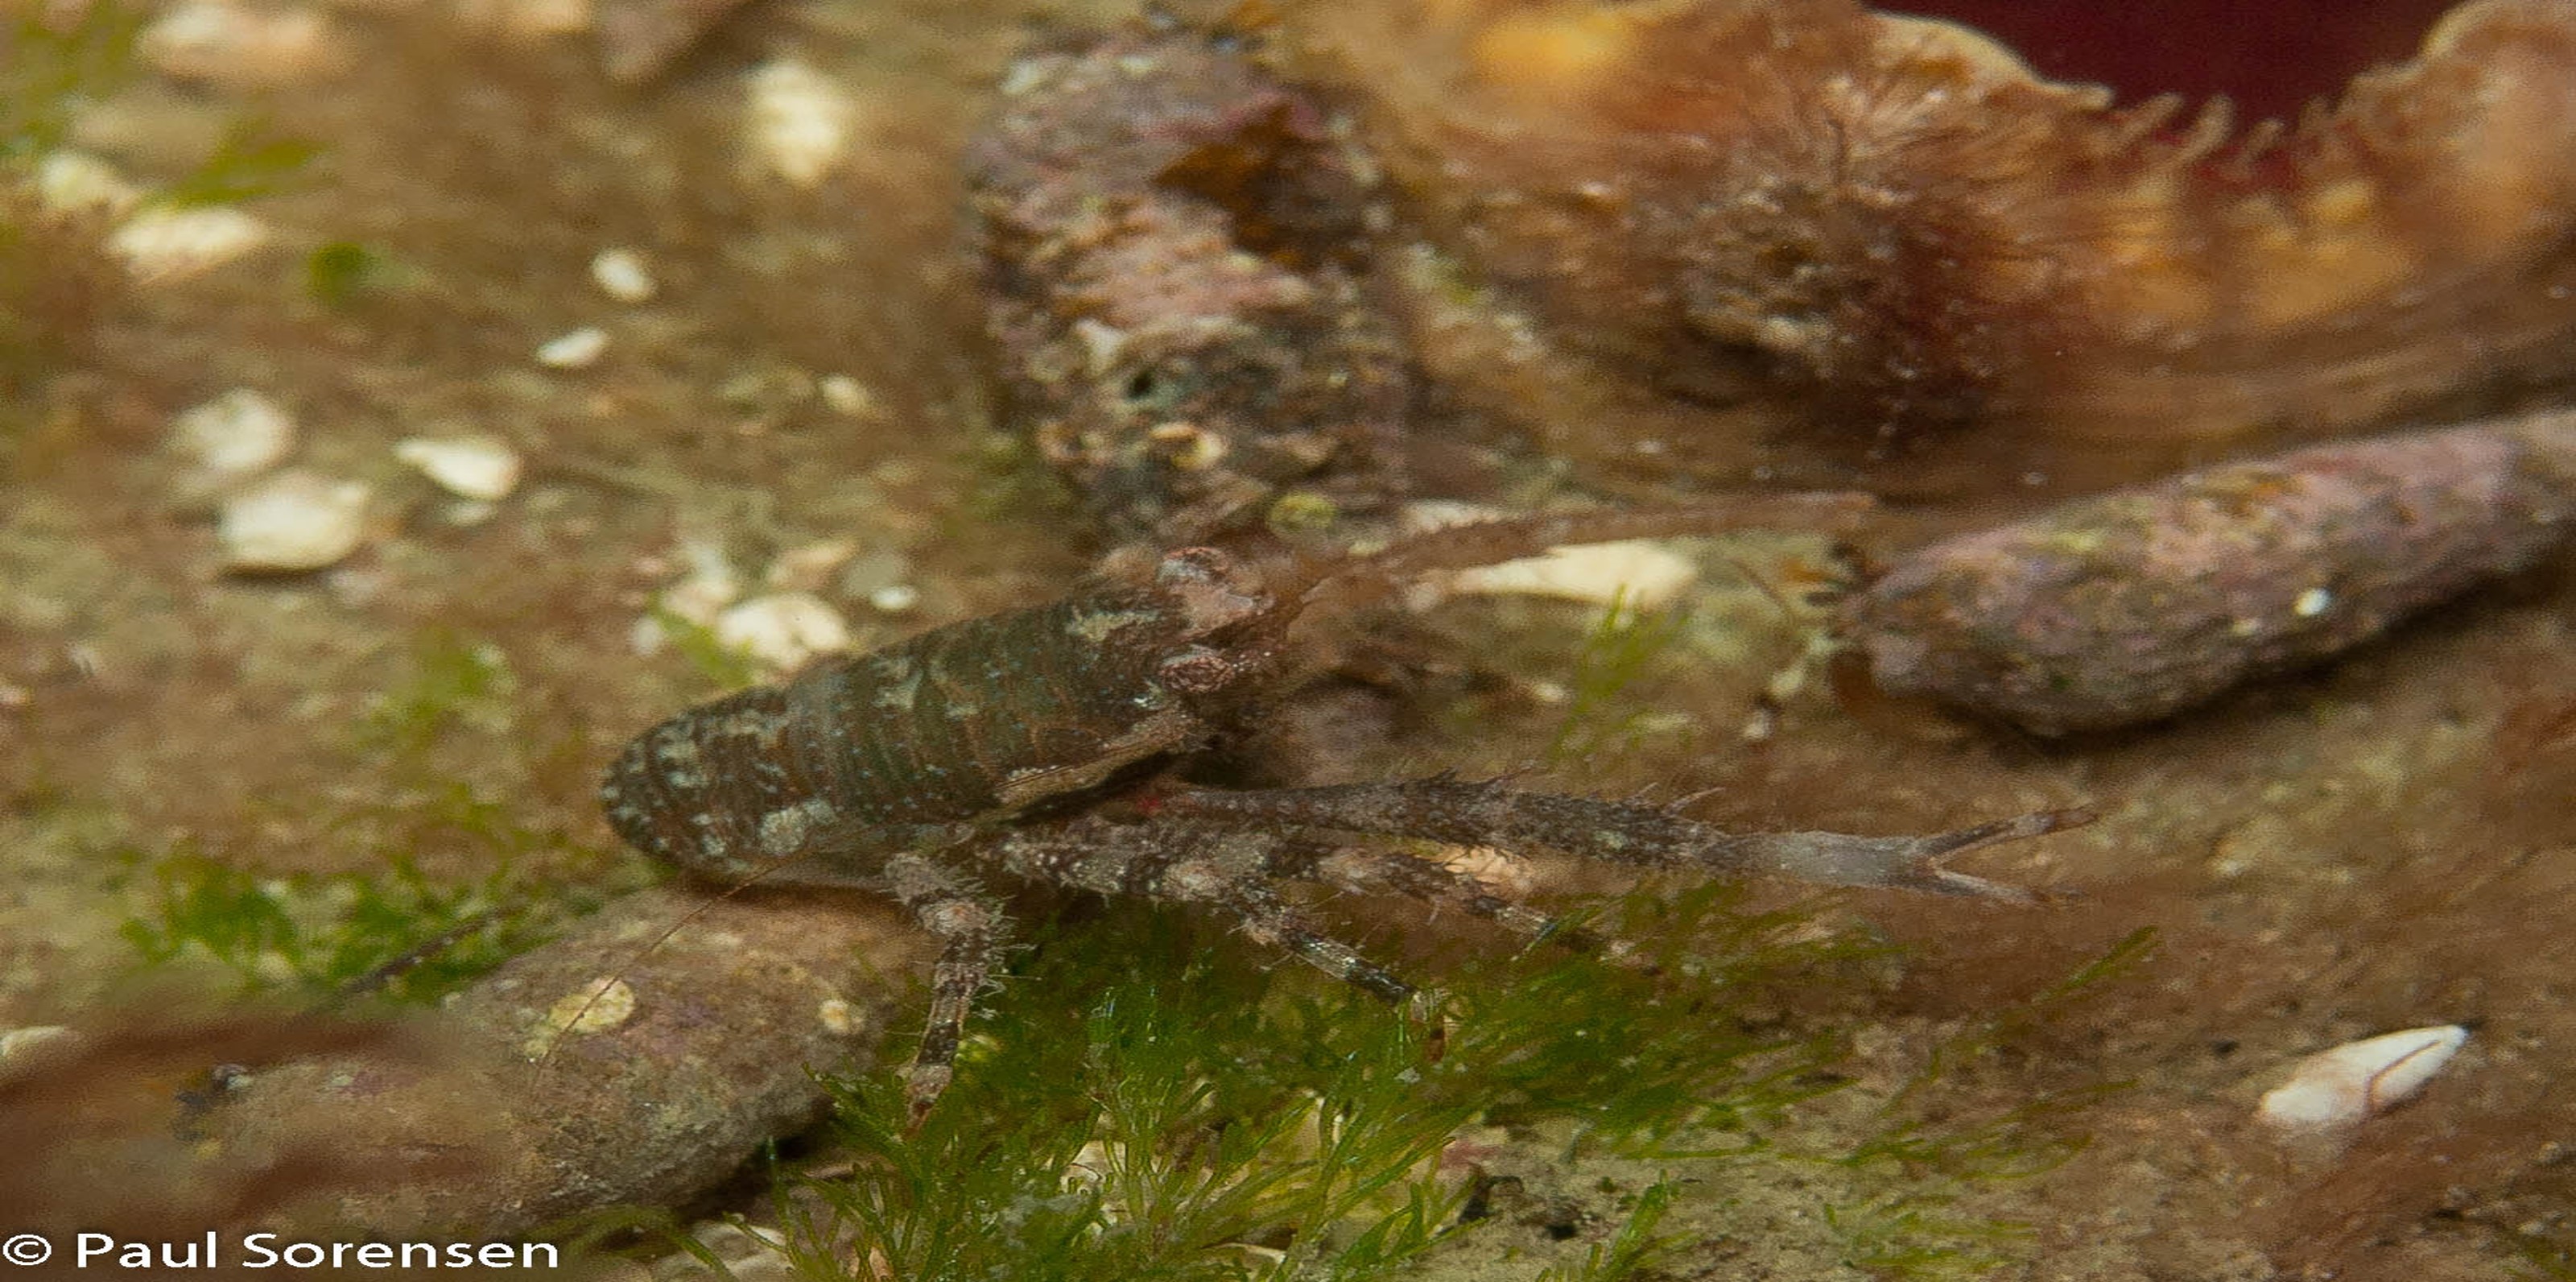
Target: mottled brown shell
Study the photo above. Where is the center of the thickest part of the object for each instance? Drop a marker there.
(858, 755)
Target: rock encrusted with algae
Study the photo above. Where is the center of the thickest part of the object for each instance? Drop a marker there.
(636, 1061)
(1174, 250)
(2127, 607)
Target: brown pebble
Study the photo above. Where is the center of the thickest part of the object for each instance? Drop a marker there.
(704, 1047)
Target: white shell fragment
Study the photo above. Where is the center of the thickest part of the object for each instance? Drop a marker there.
(240, 45)
(232, 438)
(71, 181)
(172, 244)
(847, 395)
(1638, 574)
(481, 468)
(705, 590)
(621, 274)
(809, 566)
(2342, 1086)
(294, 520)
(783, 629)
(798, 123)
(154, 244)
(1634, 573)
(579, 349)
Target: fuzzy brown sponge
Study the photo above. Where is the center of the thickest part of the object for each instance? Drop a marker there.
(1892, 225)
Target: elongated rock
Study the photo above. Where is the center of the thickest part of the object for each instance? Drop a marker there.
(2130, 606)
(614, 1066)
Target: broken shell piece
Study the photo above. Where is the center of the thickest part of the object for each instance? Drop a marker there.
(1635, 574)
(295, 520)
(783, 629)
(2339, 1087)
(69, 181)
(708, 588)
(579, 349)
(621, 274)
(233, 437)
(798, 122)
(847, 395)
(807, 567)
(173, 244)
(482, 468)
(241, 46)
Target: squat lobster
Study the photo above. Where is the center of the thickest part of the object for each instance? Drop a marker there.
(996, 742)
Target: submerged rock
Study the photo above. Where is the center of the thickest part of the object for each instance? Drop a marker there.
(636, 1061)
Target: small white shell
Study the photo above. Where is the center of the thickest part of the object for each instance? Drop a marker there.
(783, 629)
(847, 395)
(295, 520)
(621, 274)
(241, 46)
(237, 435)
(709, 586)
(69, 181)
(2338, 1087)
(808, 566)
(171, 244)
(577, 349)
(1634, 573)
(1637, 574)
(799, 123)
(482, 468)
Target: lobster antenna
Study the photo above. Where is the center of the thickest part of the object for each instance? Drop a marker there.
(1510, 538)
